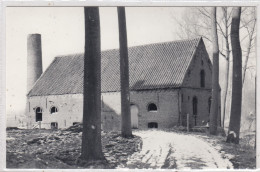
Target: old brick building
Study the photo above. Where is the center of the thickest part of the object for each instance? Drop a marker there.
(167, 82)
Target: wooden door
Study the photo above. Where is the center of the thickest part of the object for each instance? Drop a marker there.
(134, 116)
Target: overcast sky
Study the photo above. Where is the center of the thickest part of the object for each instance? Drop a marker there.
(62, 30)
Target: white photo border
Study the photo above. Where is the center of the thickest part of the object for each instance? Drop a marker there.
(78, 3)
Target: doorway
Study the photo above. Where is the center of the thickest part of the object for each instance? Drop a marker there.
(134, 115)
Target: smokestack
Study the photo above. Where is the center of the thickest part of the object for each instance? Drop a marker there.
(34, 59)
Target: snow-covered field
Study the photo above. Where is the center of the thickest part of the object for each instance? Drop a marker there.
(163, 149)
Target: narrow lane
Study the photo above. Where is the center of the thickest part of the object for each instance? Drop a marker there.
(172, 150)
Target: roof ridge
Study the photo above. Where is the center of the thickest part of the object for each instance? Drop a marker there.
(158, 43)
(135, 46)
(166, 42)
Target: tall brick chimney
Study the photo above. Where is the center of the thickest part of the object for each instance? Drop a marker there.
(34, 59)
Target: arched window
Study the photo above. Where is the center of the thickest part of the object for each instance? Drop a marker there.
(209, 103)
(195, 109)
(38, 114)
(53, 109)
(202, 78)
(152, 107)
(38, 110)
(195, 106)
(54, 125)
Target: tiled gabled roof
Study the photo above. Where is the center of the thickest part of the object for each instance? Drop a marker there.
(153, 66)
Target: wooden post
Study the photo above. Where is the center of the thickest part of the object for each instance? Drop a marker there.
(188, 122)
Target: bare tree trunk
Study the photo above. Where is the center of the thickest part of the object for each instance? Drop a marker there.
(91, 136)
(227, 66)
(235, 117)
(215, 76)
(126, 129)
(226, 92)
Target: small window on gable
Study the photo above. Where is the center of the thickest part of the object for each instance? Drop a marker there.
(53, 109)
(202, 78)
(152, 107)
(202, 62)
(189, 73)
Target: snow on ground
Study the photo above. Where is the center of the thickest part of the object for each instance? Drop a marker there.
(163, 149)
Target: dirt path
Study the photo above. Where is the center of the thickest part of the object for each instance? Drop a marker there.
(175, 150)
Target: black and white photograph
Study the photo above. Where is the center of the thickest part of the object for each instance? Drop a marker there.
(128, 87)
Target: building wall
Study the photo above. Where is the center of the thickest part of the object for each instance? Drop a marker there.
(167, 108)
(166, 116)
(192, 88)
(70, 109)
(111, 111)
(202, 96)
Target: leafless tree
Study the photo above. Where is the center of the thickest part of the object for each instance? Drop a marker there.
(235, 116)
(200, 25)
(197, 23)
(91, 149)
(215, 75)
(226, 54)
(249, 23)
